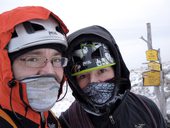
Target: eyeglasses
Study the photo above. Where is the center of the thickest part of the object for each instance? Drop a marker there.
(41, 61)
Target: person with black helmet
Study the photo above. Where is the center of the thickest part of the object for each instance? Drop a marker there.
(101, 86)
(32, 56)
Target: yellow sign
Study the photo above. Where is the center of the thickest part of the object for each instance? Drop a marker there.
(154, 66)
(151, 78)
(152, 55)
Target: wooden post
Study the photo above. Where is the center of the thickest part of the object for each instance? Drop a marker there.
(149, 36)
(159, 90)
(162, 93)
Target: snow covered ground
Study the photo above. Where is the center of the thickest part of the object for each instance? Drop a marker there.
(137, 87)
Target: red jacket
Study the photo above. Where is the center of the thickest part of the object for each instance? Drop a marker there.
(8, 20)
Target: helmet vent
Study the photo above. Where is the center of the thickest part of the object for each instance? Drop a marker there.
(96, 54)
(32, 27)
(14, 34)
(58, 29)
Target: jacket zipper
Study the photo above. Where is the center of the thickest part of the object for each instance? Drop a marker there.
(112, 120)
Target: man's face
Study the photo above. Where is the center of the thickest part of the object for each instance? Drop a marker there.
(23, 66)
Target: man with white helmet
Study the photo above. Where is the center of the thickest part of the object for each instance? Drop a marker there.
(32, 48)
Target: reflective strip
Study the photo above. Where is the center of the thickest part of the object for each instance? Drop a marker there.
(92, 69)
(7, 118)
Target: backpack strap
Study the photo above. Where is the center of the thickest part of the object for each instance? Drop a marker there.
(54, 118)
(7, 118)
(147, 109)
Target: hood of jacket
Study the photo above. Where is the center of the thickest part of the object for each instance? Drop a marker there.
(121, 70)
(8, 21)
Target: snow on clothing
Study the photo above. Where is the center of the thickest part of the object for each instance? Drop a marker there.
(8, 21)
(133, 111)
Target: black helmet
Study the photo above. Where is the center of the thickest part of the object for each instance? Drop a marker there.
(91, 55)
(89, 49)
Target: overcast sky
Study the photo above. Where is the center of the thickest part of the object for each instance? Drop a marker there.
(125, 19)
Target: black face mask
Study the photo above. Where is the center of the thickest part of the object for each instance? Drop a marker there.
(99, 93)
(103, 97)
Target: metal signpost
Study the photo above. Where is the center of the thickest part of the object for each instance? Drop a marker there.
(154, 75)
